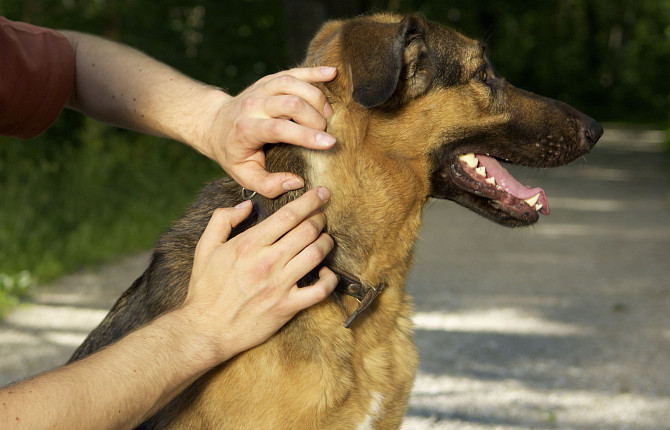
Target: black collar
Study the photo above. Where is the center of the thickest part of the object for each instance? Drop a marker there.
(347, 284)
(352, 286)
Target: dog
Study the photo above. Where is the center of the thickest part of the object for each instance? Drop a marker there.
(419, 113)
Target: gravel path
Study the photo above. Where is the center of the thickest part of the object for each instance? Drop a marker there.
(565, 325)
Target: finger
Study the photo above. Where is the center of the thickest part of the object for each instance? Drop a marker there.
(308, 258)
(298, 82)
(312, 74)
(290, 215)
(302, 298)
(220, 225)
(270, 185)
(275, 130)
(302, 236)
(295, 108)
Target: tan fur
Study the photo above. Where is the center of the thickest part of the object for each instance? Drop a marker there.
(330, 381)
(314, 373)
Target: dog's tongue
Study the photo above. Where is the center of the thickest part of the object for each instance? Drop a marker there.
(511, 185)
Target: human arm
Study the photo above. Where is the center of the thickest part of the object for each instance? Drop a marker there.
(241, 291)
(124, 87)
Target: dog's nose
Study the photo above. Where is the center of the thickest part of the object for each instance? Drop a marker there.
(592, 131)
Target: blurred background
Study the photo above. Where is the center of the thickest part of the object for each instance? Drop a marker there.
(83, 193)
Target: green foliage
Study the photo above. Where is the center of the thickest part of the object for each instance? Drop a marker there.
(12, 288)
(607, 57)
(82, 192)
(78, 201)
(225, 43)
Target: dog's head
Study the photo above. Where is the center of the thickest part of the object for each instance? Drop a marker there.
(431, 97)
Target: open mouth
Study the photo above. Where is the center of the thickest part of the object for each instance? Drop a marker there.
(493, 189)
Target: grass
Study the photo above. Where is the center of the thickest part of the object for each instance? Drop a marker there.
(69, 202)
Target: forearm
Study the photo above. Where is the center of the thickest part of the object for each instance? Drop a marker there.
(121, 86)
(222, 315)
(118, 387)
(124, 87)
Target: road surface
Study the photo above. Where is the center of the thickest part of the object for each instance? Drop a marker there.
(564, 325)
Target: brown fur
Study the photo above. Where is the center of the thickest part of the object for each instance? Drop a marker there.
(408, 100)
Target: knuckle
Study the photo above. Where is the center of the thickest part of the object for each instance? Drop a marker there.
(320, 123)
(244, 127)
(321, 97)
(316, 96)
(276, 127)
(250, 103)
(321, 219)
(311, 229)
(284, 81)
(267, 188)
(321, 292)
(245, 246)
(315, 253)
(330, 243)
(288, 215)
(265, 79)
(293, 104)
(219, 215)
(263, 268)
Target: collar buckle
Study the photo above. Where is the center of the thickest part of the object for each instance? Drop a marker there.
(352, 286)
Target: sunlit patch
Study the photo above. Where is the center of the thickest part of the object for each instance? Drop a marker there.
(511, 321)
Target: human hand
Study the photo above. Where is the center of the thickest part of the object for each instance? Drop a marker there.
(283, 107)
(244, 289)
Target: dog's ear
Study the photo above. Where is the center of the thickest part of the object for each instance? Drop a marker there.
(387, 60)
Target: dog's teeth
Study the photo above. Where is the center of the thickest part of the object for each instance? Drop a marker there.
(481, 171)
(469, 159)
(532, 200)
(538, 207)
(491, 180)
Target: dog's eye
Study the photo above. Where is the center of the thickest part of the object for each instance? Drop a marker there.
(483, 75)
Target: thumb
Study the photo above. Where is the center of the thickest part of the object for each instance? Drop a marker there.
(220, 225)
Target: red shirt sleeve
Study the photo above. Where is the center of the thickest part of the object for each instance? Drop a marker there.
(36, 77)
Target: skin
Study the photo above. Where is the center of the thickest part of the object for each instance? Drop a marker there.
(122, 385)
(230, 130)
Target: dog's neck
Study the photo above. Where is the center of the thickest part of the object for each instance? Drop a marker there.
(374, 213)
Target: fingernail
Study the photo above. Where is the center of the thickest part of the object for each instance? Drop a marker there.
(292, 184)
(243, 205)
(325, 140)
(327, 110)
(324, 193)
(327, 70)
